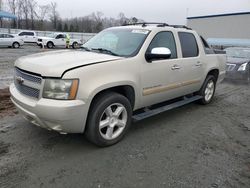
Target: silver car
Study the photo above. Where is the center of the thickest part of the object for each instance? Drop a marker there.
(8, 40)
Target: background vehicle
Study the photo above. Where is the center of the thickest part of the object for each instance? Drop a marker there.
(121, 73)
(28, 36)
(8, 40)
(57, 40)
(238, 64)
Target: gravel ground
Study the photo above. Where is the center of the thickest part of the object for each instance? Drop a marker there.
(192, 146)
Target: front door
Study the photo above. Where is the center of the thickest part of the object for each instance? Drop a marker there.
(161, 79)
(60, 40)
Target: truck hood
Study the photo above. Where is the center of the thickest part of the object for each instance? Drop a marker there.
(55, 63)
(235, 60)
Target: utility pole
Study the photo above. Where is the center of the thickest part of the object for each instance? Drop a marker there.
(1, 7)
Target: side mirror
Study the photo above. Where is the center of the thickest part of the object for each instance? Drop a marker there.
(158, 53)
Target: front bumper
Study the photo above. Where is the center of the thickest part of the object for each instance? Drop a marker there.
(58, 115)
(237, 75)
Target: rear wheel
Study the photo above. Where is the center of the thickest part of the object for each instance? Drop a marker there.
(208, 89)
(16, 45)
(109, 119)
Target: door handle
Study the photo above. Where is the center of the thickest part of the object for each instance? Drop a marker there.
(198, 64)
(175, 67)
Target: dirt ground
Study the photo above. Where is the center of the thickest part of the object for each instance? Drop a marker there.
(191, 147)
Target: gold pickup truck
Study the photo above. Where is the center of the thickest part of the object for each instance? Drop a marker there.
(122, 73)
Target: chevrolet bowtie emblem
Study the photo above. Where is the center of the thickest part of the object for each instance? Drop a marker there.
(19, 79)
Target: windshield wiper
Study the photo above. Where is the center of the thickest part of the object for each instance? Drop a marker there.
(85, 48)
(105, 50)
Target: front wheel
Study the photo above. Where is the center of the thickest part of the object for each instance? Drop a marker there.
(109, 119)
(208, 89)
(16, 45)
(74, 45)
(50, 45)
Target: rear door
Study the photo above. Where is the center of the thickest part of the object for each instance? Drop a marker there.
(191, 62)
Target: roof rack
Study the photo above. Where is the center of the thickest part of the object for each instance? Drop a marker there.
(181, 26)
(145, 24)
(158, 24)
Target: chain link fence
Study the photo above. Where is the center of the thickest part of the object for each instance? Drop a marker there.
(82, 36)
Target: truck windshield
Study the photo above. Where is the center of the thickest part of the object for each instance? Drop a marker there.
(120, 42)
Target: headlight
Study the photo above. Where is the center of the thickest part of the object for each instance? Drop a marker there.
(60, 89)
(242, 67)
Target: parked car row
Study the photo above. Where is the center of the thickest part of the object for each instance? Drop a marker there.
(54, 40)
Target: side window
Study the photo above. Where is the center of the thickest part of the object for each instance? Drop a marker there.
(189, 45)
(164, 39)
(9, 36)
(30, 34)
(59, 36)
(21, 34)
(1, 36)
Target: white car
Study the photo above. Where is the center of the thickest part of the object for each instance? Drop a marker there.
(28, 36)
(57, 40)
(8, 40)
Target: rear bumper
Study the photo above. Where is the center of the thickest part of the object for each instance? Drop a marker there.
(57, 115)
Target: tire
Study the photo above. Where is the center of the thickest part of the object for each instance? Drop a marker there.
(105, 110)
(50, 45)
(74, 45)
(16, 45)
(207, 90)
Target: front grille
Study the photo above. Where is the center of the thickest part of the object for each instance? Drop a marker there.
(27, 76)
(27, 84)
(230, 67)
(32, 92)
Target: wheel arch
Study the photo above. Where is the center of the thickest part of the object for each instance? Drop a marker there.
(127, 91)
(214, 72)
(49, 42)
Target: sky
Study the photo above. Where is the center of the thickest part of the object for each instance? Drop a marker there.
(169, 11)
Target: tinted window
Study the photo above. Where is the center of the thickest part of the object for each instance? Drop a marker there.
(188, 45)
(9, 36)
(26, 34)
(60, 36)
(164, 39)
(1, 35)
(21, 34)
(30, 33)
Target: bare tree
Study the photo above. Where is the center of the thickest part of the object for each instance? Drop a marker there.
(1, 7)
(13, 5)
(41, 14)
(32, 8)
(54, 16)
